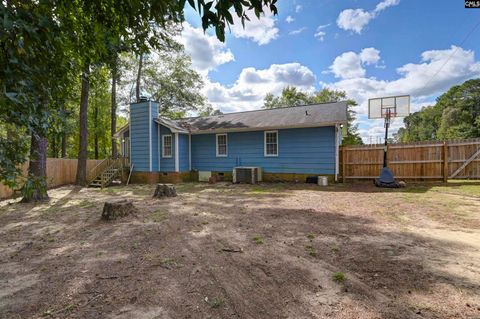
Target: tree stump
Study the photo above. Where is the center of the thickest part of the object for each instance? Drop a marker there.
(114, 210)
(165, 190)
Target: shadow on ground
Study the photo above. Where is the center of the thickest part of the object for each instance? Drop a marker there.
(226, 252)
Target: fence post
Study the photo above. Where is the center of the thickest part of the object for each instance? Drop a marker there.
(344, 159)
(445, 162)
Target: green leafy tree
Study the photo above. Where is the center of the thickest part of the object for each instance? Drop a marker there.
(168, 78)
(208, 110)
(455, 115)
(46, 44)
(291, 96)
(35, 71)
(141, 26)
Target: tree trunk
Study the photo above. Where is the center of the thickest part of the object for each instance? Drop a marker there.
(95, 134)
(54, 146)
(82, 151)
(63, 135)
(113, 125)
(64, 144)
(139, 76)
(36, 187)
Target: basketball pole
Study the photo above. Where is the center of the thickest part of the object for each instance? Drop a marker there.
(387, 124)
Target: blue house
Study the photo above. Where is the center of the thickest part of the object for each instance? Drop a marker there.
(288, 143)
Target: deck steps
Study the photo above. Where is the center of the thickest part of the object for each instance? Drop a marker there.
(108, 175)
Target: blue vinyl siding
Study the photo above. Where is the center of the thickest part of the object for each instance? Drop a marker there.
(183, 150)
(141, 120)
(155, 148)
(167, 164)
(301, 151)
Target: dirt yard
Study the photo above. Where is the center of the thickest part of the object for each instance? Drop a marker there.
(238, 251)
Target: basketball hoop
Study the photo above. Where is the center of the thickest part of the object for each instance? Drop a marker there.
(388, 108)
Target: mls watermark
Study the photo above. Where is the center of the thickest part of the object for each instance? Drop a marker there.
(471, 4)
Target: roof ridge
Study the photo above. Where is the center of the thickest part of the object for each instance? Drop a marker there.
(275, 108)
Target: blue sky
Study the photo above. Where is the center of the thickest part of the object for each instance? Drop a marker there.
(366, 48)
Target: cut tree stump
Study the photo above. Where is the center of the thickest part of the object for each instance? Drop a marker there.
(165, 190)
(114, 210)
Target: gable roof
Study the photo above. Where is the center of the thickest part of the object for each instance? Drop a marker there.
(324, 114)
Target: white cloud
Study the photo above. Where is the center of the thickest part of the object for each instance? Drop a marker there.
(319, 34)
(261, 31)
(206, 51)
(249, 90)
(356, 19)
(298, 31)
(385, 4)
(298, 8)
(353, 19)
(289, 19)
(423, 80)
(350, 65)
(370, 56)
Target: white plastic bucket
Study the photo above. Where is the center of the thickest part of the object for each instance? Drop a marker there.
(322, 180)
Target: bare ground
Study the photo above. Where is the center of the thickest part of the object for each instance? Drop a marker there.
(238, 251)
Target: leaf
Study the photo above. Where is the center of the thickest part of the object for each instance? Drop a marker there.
(220, 32)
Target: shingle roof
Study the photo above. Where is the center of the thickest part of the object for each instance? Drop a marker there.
(296, 116)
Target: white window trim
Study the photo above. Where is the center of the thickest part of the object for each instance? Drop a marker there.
(265, 144)
(163, 146)
(226, 145)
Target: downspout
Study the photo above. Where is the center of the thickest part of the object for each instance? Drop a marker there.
(189, 151)
(150, 120)
(159, 147)
(336, 152)
(177, 160)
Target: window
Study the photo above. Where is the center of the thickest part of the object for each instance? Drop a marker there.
(167, 146)
(271, 143)
(221, 144)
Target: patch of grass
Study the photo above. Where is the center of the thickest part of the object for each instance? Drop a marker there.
(99, 253)
(157, 216)
(311, 251)
(335, 248)
(310, 236)
(257, 240)
(339, 277)
(86, 204)
(217, 303)
(148, 257)
(204, 222)
(70, 307)
(168, 263)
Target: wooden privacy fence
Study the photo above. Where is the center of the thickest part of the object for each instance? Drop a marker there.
(60, 171)
(422, 161)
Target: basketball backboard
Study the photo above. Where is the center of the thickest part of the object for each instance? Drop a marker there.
(395, 106)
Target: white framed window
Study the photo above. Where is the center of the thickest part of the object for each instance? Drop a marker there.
(167, 145)
(271, 143)
(222, 145)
